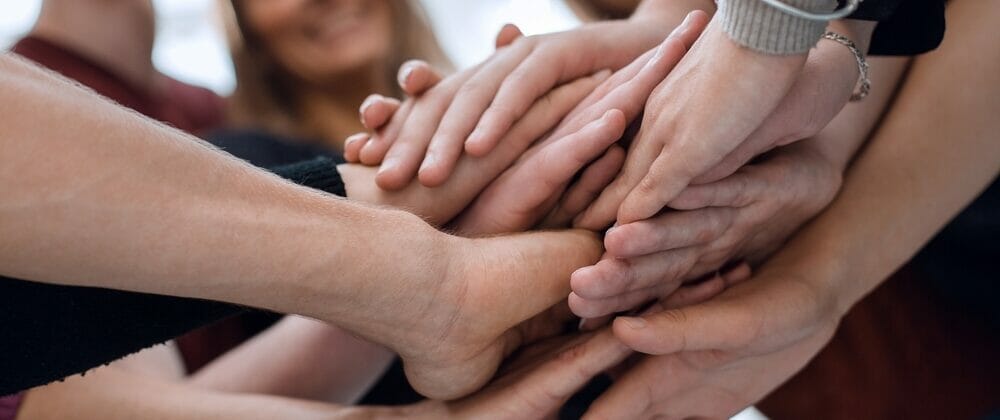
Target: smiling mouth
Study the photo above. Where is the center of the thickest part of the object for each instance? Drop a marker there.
(333, 26)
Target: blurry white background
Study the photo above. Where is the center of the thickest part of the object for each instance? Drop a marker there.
(190, 45)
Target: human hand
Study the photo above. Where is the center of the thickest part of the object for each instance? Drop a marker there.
(501, 90)
(745, 216)
(671, 152)
(538, 183)
(462, 308)
(536, 384)
(414, 77)
(712, 360)
(441, 204)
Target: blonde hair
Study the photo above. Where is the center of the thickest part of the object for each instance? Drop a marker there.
(265, 95)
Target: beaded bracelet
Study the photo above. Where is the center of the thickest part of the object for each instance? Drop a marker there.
(865, 81)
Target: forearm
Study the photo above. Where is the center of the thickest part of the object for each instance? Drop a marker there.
(933, 153)
(97, 196)
(108, 393)
(854, 124)
(325, 363)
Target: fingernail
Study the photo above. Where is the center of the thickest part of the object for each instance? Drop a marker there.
(682, 27)
(387, 165)
(364, 107)
(475, 137)
(612, 229)
(429, 161)
(404, 75)
(350, 140)
(633, 322)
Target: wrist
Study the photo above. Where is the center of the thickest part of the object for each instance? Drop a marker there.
(381, 263)
(768, 30)
(858, 31)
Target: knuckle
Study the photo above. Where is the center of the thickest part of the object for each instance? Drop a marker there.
(647, 185)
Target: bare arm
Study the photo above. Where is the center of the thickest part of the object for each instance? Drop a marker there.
(95, 195)
(299, 358)
(109, 393)
(931, 156)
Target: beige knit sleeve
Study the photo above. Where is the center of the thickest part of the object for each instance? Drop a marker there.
(756, 25)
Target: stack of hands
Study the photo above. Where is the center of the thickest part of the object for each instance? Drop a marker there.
(677, 151)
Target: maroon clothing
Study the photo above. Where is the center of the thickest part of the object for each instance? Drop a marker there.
(188, 108)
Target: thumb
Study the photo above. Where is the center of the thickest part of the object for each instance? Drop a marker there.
(708, 326)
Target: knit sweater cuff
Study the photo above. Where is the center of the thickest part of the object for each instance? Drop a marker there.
(319, 173)
(758, 26)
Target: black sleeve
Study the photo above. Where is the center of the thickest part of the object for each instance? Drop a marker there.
(905, 27)
(50, 331)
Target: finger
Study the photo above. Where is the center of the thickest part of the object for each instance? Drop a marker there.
(668, 231)
(615, 276)
(739, 190)
(377, 110)
(537, 74)
(376, 147)
(561, 161)
(625, 302)
(353, 145)
(416, 77)
(549, 323)
(708, 326)
(735, 160)
(550, 384)
(594, 179)
(507, 35)
(540, 118)
(539, 180)
(667, 176)
(473, 98)
(696, 293)
(631, 396)
(413, 125)
(403, 158)
(590, 324)
(632, 96)
(532, 78)
(737, 274)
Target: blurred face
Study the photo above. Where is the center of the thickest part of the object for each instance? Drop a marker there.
(317, 40)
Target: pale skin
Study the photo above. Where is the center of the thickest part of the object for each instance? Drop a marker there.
(934, 152)
(534, 184)
(765, 102)
(276, 372)
(535, 384)
(168, 227)
(444, 122)
(744, 216)
(125, 49)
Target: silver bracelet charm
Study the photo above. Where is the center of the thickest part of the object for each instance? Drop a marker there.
(843, 12)
(865, 83)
